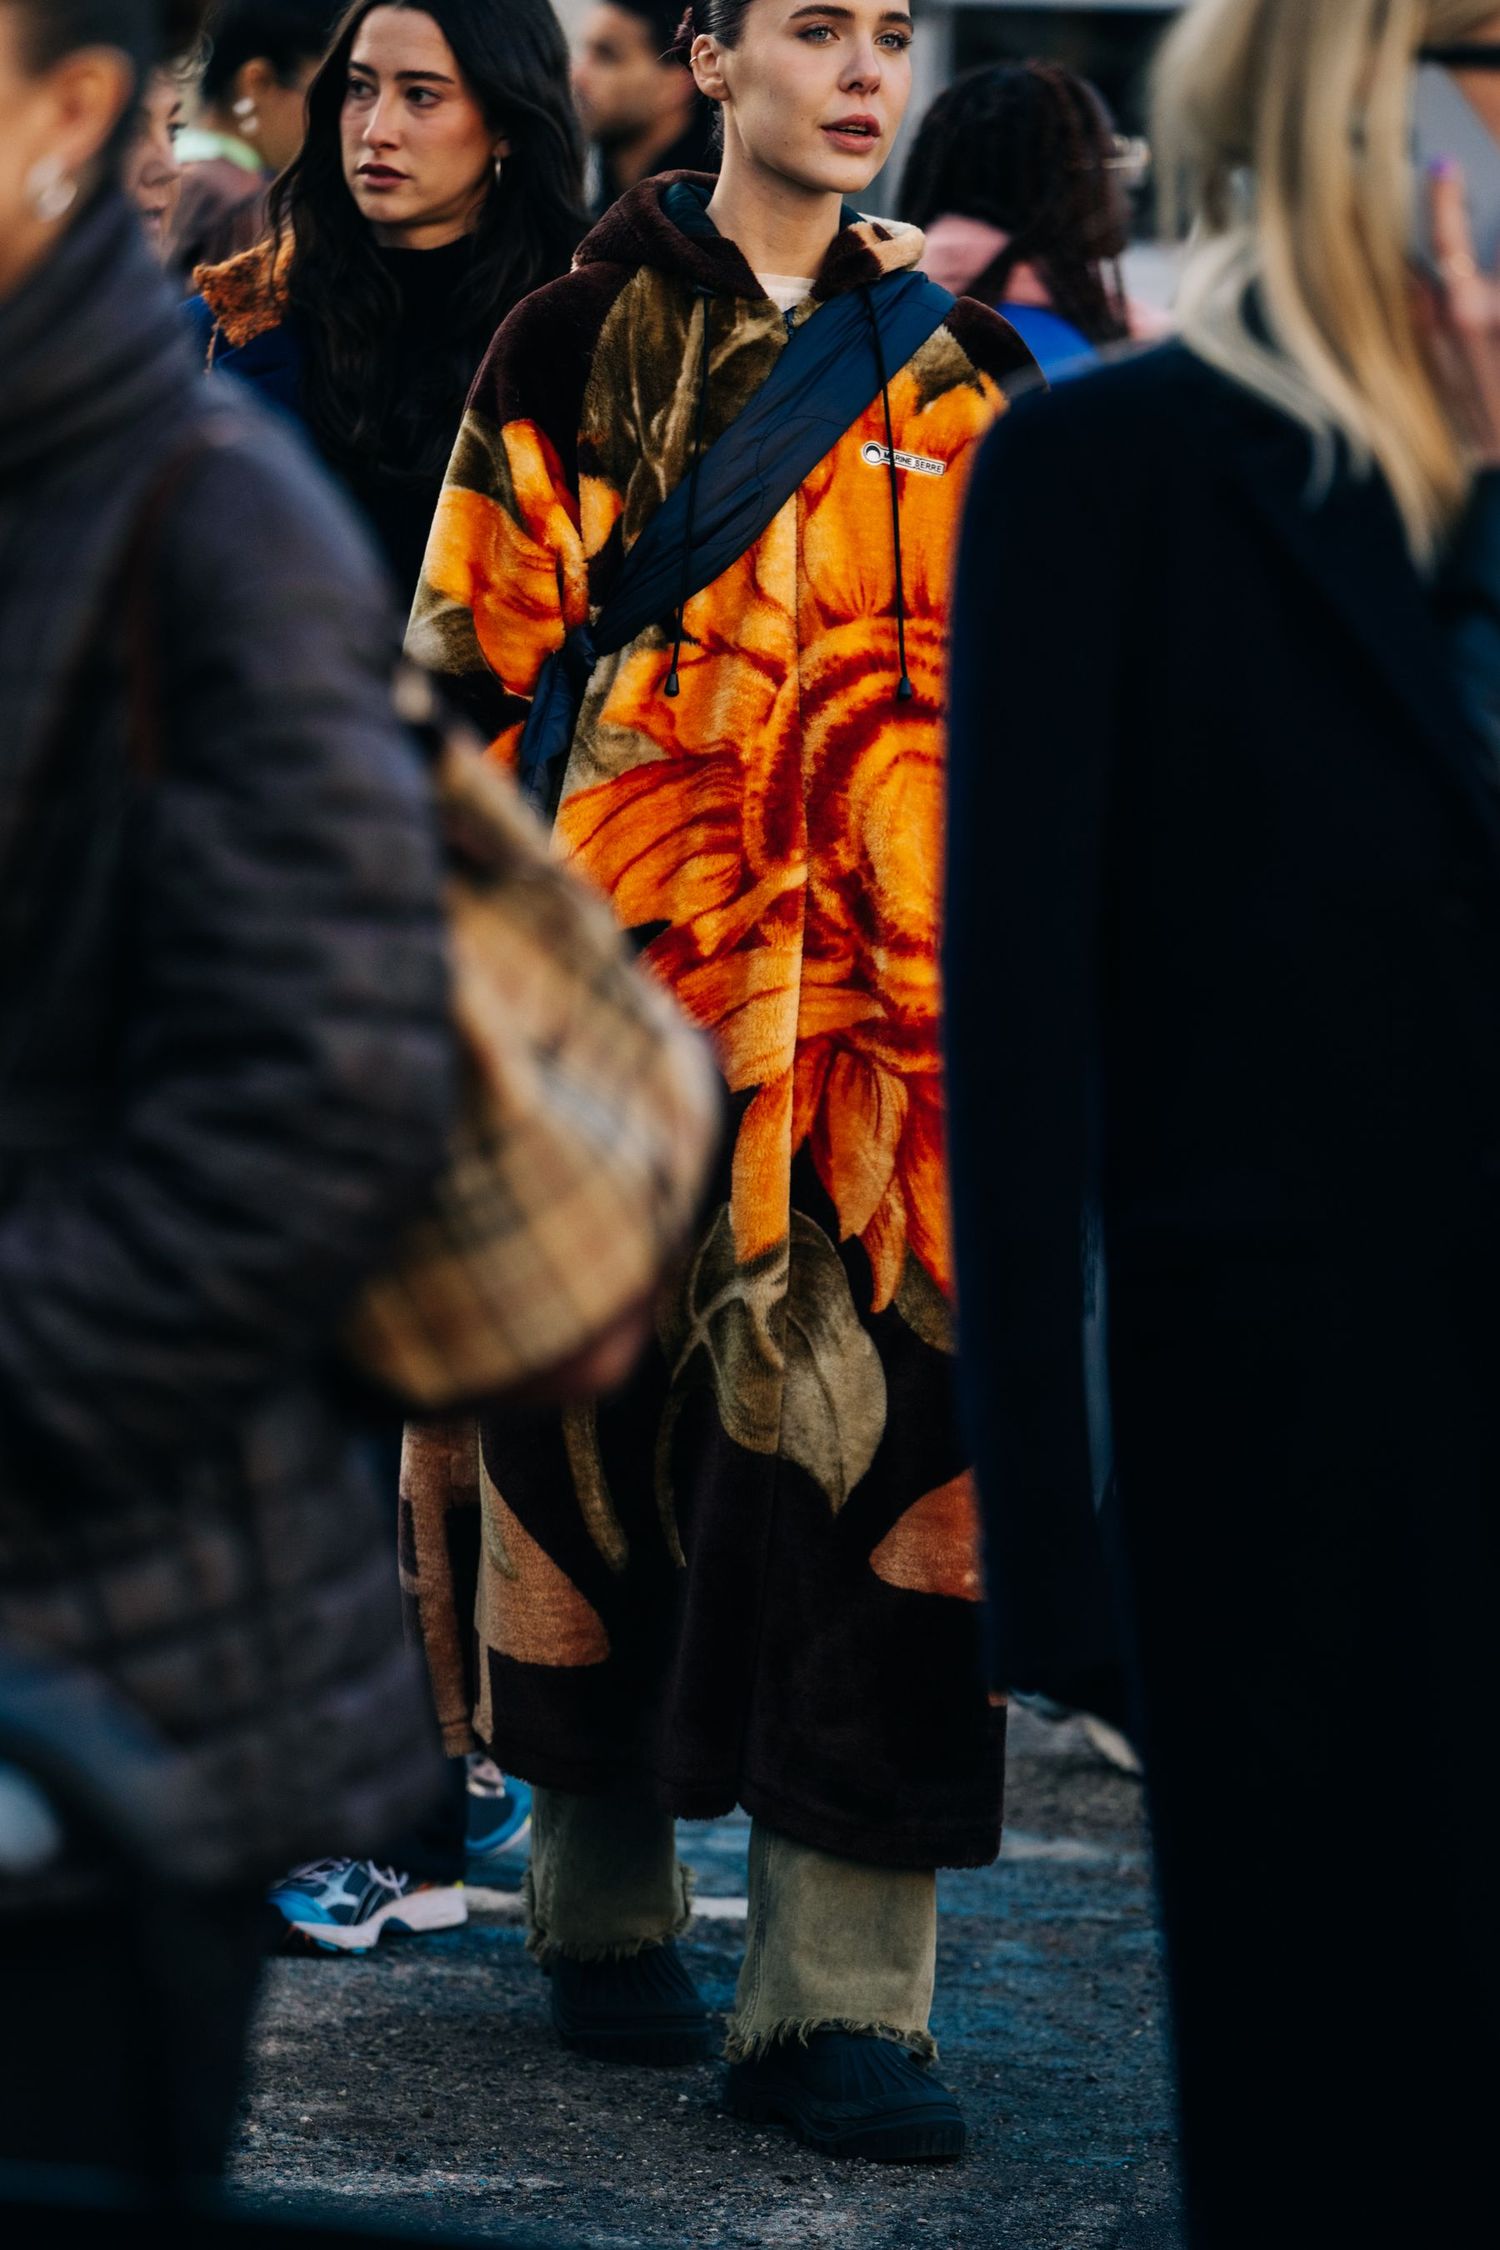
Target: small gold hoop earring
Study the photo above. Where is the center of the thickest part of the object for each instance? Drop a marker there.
(51, 189)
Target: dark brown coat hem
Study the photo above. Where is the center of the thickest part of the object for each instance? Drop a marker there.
(882, 1842)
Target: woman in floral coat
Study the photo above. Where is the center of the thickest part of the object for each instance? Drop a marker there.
(753, 1577)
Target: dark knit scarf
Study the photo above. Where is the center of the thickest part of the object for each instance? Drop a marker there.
(97, 390)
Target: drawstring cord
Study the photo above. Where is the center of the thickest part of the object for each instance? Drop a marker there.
(904, 689)
(674, 685)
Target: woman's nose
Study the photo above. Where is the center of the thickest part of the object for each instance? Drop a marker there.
(381, 130)
(863, 73)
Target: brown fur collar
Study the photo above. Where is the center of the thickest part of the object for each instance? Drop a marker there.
(247, 295)
(639, 232)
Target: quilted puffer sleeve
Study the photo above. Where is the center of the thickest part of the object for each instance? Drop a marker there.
(287, 1075)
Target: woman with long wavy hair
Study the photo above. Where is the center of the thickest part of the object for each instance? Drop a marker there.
(1223, 964)
(440, 182)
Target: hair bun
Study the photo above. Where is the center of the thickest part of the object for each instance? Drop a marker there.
(687, 31)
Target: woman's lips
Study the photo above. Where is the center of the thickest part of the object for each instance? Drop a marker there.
(856, 136)
(381, 176)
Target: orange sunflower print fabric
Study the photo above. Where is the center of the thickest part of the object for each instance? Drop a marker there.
(773, 835)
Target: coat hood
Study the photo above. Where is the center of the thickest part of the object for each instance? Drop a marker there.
(664, 223)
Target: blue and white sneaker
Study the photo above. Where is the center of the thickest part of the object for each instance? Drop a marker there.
(499, 1832)
(342, 1905)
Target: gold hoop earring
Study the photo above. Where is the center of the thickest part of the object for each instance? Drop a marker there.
(51, 188)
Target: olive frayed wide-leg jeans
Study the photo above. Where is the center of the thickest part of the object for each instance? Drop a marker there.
(829, 1943)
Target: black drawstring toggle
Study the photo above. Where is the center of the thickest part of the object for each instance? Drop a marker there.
(904, 689)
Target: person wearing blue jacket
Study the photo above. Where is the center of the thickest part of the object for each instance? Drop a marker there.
(1017, 179)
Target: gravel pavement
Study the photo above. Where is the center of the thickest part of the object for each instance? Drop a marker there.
(421, 2085)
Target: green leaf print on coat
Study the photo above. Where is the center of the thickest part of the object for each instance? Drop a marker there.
(580, 1429)
(780, 1343)
(924, 1308)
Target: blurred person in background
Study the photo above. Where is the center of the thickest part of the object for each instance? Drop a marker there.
(258, 64)
(228, 1077)
(639, 102)
(753, 1577)
(151, 175)
(439, 183)
(1223, 950)
(1015, 178)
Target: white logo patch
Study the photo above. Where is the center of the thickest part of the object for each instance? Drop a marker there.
(879, 457)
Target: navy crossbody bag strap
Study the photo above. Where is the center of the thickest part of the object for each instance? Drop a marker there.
(822, 382)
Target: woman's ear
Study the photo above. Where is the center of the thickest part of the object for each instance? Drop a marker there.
(707, 67)
(503, 149)
(254, 80)
(87, 94)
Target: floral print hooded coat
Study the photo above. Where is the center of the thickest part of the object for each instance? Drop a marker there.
(754, 1576)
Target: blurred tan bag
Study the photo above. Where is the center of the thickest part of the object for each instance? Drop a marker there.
(588, 1117)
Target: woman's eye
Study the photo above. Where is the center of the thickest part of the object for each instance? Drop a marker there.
(819, 32)
(360, 90)
(897, 41)
(422, 97)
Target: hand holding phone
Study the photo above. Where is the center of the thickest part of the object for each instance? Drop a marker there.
(1446, 128)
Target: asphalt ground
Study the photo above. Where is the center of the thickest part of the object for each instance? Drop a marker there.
(422, 2084)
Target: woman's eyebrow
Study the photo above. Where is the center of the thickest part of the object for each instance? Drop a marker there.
(897, 16)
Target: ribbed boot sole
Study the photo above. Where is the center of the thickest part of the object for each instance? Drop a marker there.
(888, 2140)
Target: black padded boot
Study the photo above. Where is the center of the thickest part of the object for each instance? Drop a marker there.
(644, 2009)
(848, 2093)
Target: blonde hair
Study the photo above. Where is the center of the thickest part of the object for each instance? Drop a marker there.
(1289, 124)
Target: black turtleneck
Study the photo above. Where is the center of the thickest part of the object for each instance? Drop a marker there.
(397, 483)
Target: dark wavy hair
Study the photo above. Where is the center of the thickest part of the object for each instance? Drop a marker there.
(1029, 147)
(514, 62)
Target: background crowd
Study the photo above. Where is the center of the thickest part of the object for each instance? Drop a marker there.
(1002, 737)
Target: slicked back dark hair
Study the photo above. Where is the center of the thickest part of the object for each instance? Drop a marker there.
(723, 20)
(287, 34)
(514, 61)
(1028, 147)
